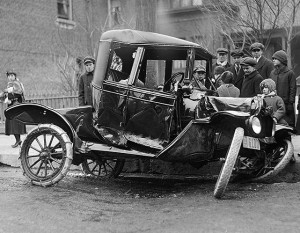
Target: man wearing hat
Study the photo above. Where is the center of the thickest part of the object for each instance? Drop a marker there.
(264, 66)
(222, 59)
(84, 88)
(285, 84)
(236, 69)
(252, 78)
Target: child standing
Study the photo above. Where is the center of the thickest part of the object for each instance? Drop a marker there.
(227, 89)
(268, 88)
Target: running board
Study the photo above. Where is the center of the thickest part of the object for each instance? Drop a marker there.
(111, 151)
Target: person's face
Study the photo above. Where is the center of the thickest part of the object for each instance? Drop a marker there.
(256, 53)
(248, 69)
(276, 62)
(199, 75)
(221, 57)
(89, 66)
(266, 91)
(11, 77)
(236, 59)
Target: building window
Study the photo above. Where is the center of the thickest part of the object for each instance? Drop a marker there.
(64, 9)
(197, 2)
(115, 13)
(64, 14)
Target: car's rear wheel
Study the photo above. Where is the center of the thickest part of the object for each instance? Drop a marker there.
(227, 167)
(276, 161)
(102, 168)
(46, 155)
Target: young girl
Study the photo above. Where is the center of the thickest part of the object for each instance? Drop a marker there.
(268, 88)
(14, 94)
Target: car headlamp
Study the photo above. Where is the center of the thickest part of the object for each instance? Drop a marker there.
(256, 125)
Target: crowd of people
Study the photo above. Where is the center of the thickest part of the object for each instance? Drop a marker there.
(255, 75)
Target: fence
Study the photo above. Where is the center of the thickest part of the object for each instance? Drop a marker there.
(53, 100)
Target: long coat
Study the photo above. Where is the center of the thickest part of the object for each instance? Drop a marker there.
(85, 90)
(286, 88)
(264, 66)
(238, 76)
(15, 96)
(250, 87)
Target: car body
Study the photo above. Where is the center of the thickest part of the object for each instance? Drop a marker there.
(145, 106)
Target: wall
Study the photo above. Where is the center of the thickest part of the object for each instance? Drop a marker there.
(32, 43)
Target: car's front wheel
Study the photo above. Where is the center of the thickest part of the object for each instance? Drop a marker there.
(227, 167)
(46, 155)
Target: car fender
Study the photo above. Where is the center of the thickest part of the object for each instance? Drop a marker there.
(34, 114)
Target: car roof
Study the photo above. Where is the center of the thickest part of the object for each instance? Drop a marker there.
(136, 37)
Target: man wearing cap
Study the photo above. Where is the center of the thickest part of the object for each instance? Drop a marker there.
(236, 69)
(264, 65)
(285, 80)
(252, 78)
(222, 59)
(84, 88)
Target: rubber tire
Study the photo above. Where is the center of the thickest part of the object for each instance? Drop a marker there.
(115, 172)
(228, 166)
(280, 166)
(67, 156)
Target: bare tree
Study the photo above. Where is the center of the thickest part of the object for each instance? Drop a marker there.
(289, 13)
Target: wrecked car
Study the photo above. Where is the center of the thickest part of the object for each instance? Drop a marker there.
(144, 106)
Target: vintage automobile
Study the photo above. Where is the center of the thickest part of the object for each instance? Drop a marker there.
(145, 105)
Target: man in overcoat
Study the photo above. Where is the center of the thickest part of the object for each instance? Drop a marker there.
(222, 59)
(264, 65)
(236, 69)
(84, 88)
(252, 78)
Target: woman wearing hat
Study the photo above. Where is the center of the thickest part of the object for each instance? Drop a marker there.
(14, 94)
(285, 80)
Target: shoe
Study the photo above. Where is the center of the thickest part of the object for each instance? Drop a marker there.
(16, 144)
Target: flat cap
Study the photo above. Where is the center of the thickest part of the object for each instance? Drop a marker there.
(222, 50)
(257, 45)
(248, 61)
(237, 53)
(10, 72)
(88, 59)
(200, 68)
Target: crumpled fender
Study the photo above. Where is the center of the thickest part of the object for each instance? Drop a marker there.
(34, 114)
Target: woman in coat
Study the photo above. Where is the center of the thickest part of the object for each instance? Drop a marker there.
(14, 94)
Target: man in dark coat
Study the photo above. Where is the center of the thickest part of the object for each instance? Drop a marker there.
(285, 84)
(264, 65)
(84, 88)
(235, 69)
(252, 78)
(222, 59)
